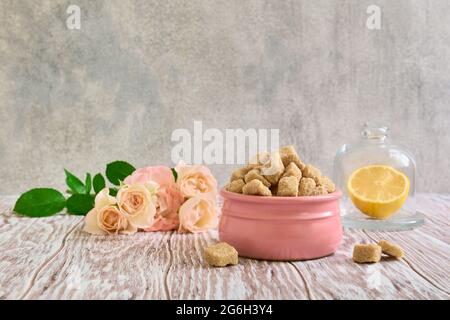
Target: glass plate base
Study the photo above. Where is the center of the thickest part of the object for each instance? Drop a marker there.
(400, 221)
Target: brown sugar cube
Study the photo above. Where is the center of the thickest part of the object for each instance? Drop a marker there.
(366, 253)
(288, 155)
(240, 173)
(288, 187)
(237, 174)
(327, 183)
(309, 171)
(221, 255)
(236, 186)
(256, 188)
(273, 179)
(259, 159)
(391, 249)
(292, 170)
(307, 187)
(273, 168)
(255, 174)
(319, 190)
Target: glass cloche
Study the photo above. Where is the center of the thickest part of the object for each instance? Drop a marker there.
(378, 180)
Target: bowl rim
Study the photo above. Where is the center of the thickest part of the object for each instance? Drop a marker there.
(336, 195)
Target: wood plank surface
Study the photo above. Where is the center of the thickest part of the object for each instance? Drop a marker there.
(106, 267)
(338, 277)
(27, 246)
(191, 278)
(52, 258)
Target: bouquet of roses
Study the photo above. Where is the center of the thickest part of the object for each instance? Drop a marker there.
(157, 199)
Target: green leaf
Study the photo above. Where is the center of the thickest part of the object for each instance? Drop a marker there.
(175, 174)
(80, 204)
(88, 183)
(74, 183)
(118, 170)
(40, 202)
(113, 191)
(99, 183)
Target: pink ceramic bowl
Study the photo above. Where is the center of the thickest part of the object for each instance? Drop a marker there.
(281, 228)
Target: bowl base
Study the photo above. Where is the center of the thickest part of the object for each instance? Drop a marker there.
(286, 260)
(399, 222)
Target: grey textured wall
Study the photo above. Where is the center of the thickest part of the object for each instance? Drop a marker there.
(139, 69)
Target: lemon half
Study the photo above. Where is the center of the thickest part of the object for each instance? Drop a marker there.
(378, 190)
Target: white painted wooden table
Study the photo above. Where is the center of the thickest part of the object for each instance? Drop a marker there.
(51, 258)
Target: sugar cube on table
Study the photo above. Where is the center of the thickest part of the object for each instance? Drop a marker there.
(221, 255)
(391, 249)
(366, 253)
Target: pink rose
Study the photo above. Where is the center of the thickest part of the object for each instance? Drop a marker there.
(198, 213)
(169, 200)
(195, 179)
(160, 174)
(168, 223)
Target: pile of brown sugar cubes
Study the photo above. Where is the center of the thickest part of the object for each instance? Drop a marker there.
(281, 174)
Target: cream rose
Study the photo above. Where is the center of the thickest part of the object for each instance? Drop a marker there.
(137, 203)
(105, 218)
(198, 213)
(195, 179)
